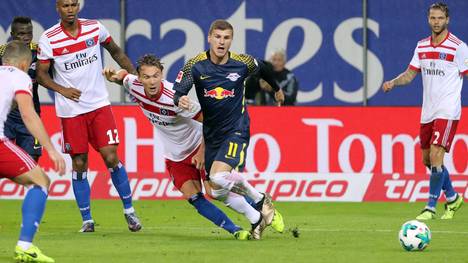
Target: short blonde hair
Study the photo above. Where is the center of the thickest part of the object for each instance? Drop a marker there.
(15, 52)
(220, 24)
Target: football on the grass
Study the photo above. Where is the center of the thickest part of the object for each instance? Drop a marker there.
(414, 236)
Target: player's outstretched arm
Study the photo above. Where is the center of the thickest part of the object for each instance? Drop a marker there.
(113, 75)
(45, 80)
(183, 84)
(35, 126)
(119, 56)
(267, 74)
(402, 79)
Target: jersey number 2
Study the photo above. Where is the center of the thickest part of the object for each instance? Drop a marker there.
(113, 139)
(436, 134)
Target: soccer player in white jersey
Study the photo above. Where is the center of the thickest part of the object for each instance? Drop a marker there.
(442, 60)
(180, 131)
(73, 48)
(15, 163)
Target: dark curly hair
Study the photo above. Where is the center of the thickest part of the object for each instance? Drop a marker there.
(21, 20)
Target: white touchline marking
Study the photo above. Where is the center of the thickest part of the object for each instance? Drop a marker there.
(301, 229)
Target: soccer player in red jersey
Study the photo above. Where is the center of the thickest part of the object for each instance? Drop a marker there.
(15, 163)
(442, 59)
(73, 48)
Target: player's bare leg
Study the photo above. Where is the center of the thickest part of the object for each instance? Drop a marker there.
(33, 177)
(120, 180)
(190, 188)
(426, 158)
(32, 212)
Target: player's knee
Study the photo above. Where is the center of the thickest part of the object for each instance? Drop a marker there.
(111, 160)
(220, 179)
(436, 156)
(80, 162)
(39, 178)
(189, 192)
(110, 156)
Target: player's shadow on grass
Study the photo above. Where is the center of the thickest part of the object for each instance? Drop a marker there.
(208, 237)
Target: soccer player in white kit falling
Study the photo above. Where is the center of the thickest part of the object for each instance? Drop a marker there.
(442, 59)
(73, 48)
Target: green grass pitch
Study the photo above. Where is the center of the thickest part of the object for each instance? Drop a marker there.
(174, 232)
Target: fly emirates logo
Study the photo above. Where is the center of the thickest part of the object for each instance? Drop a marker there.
(432, 70)
(82, 59)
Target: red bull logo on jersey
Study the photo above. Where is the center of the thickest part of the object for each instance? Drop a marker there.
(219, 93)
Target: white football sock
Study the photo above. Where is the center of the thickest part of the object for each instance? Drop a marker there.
(452, 198)
(129, 210)
(433, 209)
(238, 204)
(24, 245)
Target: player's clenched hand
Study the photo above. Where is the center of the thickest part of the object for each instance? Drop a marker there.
(199, 160)
(279, 97)
(71, 93)
(114, 76)
(388, 86)
(109, 73)
(59, 162)
(185, 103)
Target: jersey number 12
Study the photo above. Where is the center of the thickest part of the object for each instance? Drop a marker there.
(112, 139)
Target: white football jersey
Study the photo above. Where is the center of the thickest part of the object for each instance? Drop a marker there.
(77, 63)
(442, 68)
(12, 82)
(177, 129)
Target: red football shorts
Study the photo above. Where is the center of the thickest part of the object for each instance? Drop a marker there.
(184, 171)
(14, 161)
(96, 128)
(438, 132)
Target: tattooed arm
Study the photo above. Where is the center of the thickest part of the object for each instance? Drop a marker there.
(402, 79)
